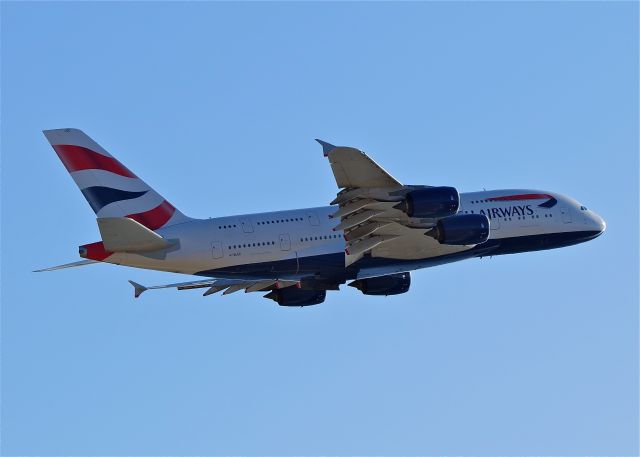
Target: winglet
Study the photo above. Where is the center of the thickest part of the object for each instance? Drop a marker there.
(326, 147)
(138, 288)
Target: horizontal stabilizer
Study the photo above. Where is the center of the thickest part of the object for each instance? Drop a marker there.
(121, 234)
(68, 265)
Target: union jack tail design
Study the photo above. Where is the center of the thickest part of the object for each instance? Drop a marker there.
(111, 189)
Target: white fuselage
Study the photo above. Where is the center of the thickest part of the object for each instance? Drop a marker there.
(281, 242)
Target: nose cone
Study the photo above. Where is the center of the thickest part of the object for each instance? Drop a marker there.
(599, 223)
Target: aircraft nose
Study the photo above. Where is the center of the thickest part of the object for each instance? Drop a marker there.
(599, 223)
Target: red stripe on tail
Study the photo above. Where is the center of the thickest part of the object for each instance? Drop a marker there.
(76, 158)
(156, 217)
(519, 197)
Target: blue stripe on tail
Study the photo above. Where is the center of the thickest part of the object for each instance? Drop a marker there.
(99, 197)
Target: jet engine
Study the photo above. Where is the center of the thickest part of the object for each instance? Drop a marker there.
(384, 285)
(431, 202)
(293, 296)
(461, 229)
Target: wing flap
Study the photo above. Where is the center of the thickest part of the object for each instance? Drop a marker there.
(357, 219)
(234, 288)
(260, 285)
(364, 245)
(213, 290)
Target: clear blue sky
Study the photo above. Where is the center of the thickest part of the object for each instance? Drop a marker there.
(216, 105)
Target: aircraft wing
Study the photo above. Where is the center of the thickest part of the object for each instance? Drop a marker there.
(229, 286)
(368, 206)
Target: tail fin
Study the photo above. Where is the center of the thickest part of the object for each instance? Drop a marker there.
(111, 189)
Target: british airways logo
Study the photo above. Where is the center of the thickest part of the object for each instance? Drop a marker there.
(494, 213)
(517, 210)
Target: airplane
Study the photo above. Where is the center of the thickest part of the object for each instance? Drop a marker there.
(371, 236)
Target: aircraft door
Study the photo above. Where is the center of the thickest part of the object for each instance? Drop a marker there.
(285, 242)
(247, 227)
(566, 214)
(494, 223)
(216, 249)
(313, 218)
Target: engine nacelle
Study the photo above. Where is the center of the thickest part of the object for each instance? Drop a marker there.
(431, 202)
(462, 229)
(293, 296)
(384, 285)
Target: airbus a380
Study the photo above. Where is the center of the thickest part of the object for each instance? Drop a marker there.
(375, 231)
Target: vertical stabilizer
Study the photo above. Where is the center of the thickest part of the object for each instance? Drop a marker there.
(111, 189)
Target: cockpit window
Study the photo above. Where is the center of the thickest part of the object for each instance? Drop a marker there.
(583, 208)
